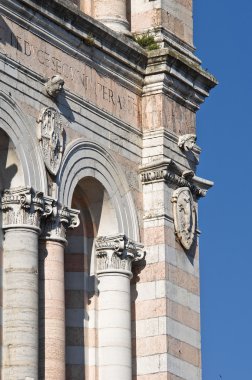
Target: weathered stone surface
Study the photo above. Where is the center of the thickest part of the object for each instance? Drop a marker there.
(117, 144)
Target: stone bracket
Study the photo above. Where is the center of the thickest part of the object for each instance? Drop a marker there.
(166, 170)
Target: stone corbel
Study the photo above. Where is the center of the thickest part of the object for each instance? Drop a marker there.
(117, 253)
(56, 220)
(187, 142)
(54, 86)
(166, 170)
(22, 206)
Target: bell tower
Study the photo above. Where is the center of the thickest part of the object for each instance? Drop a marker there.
(99, 192)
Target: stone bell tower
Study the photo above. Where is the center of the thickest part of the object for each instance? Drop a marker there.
(99, 250)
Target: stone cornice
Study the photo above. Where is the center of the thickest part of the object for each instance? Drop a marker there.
(22, 207)
(166, 170)
(116, 254)
(177, 76)
(56, 220)
(169, 39)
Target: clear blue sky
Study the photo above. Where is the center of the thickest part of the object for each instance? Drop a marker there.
(223, 38)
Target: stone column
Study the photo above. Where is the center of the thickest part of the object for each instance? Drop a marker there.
(21, 209)
(52, 290)
(112, 14)
(115, 255)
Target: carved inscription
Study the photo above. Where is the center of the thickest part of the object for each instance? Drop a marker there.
(45, 59)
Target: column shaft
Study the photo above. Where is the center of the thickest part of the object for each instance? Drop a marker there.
(112, 14)
(114, 323)
(52, 311)
(52, 289)
(20, 304)
(115, 255)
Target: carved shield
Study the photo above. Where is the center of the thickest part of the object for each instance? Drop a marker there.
(50, 135)
(184, 216)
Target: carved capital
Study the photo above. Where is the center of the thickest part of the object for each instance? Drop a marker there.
(116, 254)
(56, 220)
(22, 207)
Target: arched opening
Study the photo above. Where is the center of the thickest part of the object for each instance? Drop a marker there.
(97, 217)
(11, 171)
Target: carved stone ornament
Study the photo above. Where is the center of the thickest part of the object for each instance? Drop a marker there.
(187, 141)
(50, 136)
(22, 206)
(166, 170)
(54, 85)
(116, 253)
(184, 216)
(56, 220)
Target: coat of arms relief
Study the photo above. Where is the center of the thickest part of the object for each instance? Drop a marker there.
(184, 216)
(50, 136)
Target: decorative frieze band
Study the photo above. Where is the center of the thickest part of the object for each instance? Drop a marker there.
(22, 207)
(116, 253)
(169, 172)
(56, 220)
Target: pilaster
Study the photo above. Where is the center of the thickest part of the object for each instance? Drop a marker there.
(167, 314)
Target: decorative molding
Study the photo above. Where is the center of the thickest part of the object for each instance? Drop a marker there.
(54, 86)
(21, 207)
(187, 142)
(105, 169)
(18, 127)
(184, 214)
(56, 220)
(50, 136)
(171, 40)
(168, 171)
(116, 254)
(171, 73)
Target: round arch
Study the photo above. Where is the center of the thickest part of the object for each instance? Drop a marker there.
(82, 159)
(14, 123)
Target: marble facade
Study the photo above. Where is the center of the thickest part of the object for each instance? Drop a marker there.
(98, 222)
